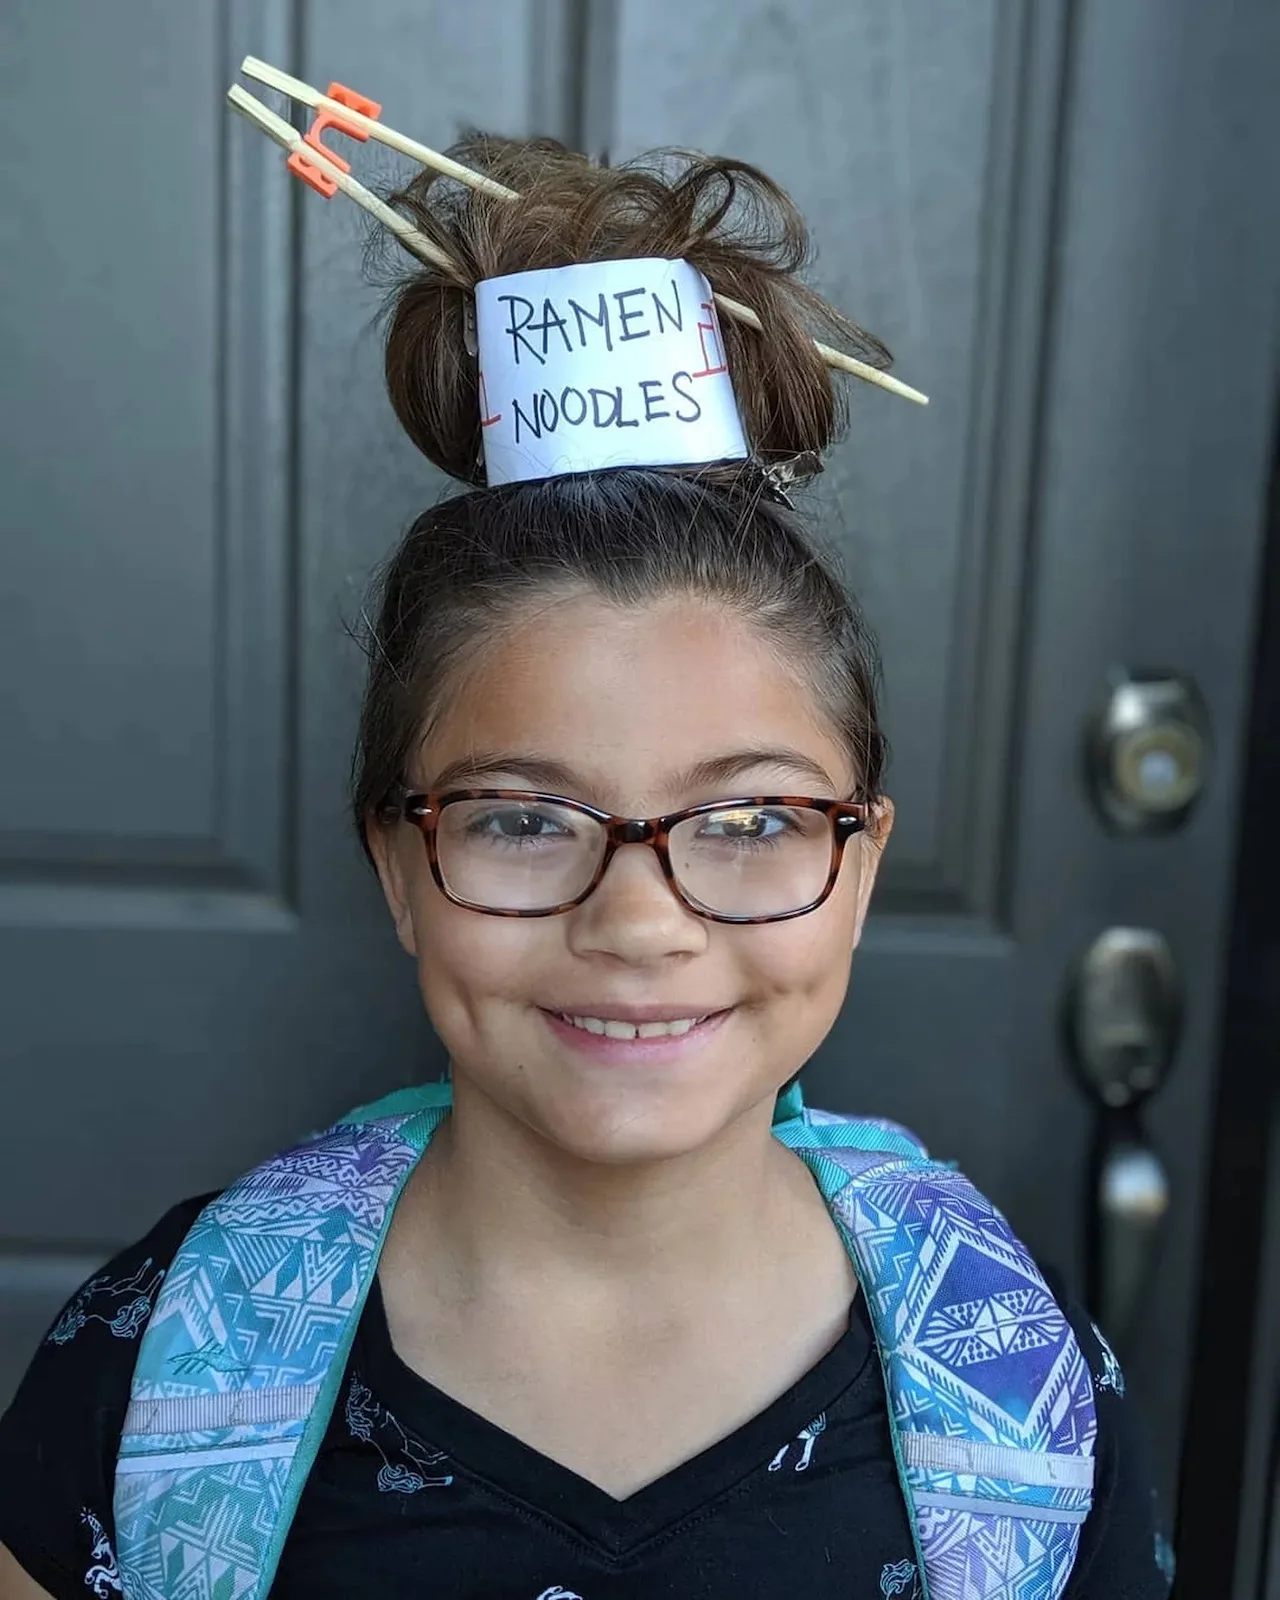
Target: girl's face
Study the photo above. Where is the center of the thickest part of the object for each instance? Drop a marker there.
(624, 701)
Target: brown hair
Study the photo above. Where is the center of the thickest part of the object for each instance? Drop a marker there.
(467, 567)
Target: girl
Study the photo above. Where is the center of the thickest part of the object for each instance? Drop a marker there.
(611, 1313)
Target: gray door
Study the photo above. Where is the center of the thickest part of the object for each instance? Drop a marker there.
(1053, 213)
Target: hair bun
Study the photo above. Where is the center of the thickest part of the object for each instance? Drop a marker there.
(724, 217)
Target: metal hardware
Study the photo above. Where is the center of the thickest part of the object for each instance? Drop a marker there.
(1148, 751)
(1124, 1019)
(1129, 1196)
(782, 475)
(1125, 1015)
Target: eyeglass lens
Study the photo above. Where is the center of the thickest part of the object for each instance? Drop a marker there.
(526, 855)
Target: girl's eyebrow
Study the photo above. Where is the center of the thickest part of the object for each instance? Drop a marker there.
(545, 772)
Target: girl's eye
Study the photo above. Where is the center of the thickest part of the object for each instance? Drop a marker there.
(512, 824)
(747, 825)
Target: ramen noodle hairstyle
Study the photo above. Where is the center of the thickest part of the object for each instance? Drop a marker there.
(724, 217)
(629, 535)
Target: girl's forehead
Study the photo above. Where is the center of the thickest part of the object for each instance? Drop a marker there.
(671, 664)
(627, 698)
(588, 624)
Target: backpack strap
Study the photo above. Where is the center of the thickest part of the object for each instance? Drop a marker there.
(240, 1365)
(991, 1402)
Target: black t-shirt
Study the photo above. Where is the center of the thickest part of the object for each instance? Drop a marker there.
(412, 1494)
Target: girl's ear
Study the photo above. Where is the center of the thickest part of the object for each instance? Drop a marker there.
(868, 846)
(386, 848)
(880, 825)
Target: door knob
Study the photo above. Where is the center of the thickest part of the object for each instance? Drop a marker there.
(1124, 1018)
(1129, 1196)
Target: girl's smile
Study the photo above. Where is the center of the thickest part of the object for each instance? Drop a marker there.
(639, 1044)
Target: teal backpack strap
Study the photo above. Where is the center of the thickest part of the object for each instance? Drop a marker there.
(990, 1400)
(243, 1358)
(991, 1403)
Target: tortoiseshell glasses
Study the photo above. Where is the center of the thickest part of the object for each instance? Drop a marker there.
(515, 853)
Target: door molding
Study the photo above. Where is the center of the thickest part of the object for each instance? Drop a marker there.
(243, 875)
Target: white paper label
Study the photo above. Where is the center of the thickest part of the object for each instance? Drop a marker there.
(602, 364)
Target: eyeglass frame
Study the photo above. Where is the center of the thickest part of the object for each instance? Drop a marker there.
(845, 818)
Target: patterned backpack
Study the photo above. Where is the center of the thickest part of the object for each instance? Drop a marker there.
(990, 1399)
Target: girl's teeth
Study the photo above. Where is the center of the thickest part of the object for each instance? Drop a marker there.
(630, 1030)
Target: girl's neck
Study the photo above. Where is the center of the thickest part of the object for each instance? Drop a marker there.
(497, 1212)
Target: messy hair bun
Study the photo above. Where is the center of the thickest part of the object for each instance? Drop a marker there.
(724, 217)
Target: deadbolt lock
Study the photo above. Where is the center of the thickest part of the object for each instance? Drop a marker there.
(1148, 751)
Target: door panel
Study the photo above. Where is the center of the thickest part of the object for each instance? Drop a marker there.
(1048, 211)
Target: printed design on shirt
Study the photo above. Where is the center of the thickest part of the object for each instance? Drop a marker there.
(555, 1592)
(806, 1439)
(103, 1575)
(900, 1578)
(1111, 1376)
(128, 1303)
(366, 1419)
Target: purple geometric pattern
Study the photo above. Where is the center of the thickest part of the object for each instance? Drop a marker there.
(975, 1349)
(989, 1328)
(971, 1556)
(983, 1345)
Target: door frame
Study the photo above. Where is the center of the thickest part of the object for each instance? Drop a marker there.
(1231, 1452)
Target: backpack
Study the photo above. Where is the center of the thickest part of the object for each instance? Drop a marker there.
(990, 1399)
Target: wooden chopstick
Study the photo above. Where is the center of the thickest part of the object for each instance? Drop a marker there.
(832, 356)
(425, 156)
(278, 129)
(421, 153)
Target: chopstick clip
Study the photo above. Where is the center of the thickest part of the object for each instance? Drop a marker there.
(298, 163)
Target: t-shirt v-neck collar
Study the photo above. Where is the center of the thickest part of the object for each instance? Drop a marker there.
(490, 1455)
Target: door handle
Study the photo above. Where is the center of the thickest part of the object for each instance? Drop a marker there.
(1129, 1193)
(1124, 1020)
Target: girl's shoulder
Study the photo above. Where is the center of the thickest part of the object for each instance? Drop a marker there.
(61, 1431)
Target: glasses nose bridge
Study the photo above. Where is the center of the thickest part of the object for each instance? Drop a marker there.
(632, 830)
